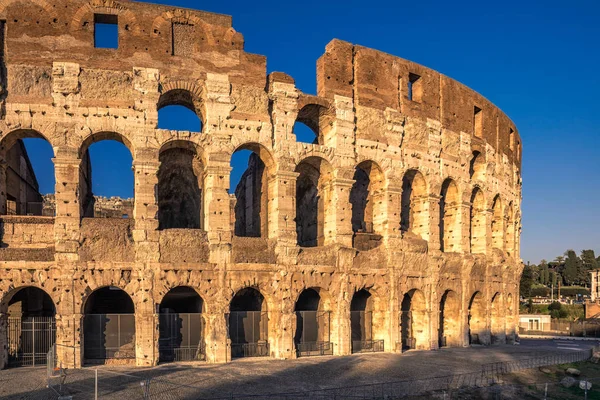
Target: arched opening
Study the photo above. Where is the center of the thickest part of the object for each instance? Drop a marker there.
(106, 183)
(179, 187)
(477, 222)
(310, 124)
(312, 337)
(313, 193)
(108, 325)
(249, 187)
(478, 333)
(414, 321)
(497, 223)
(414, 214)
(510, 230)
(361, 323)
(449, 324)
(366, 198)
(450, 234)
(497, 320)
(27, 180)
(30, 326)
(181, 327)
(178, 118)
(179, 110)
(477, 167)
(248, 324)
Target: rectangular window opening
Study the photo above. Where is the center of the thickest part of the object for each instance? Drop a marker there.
(477, 122)
(415, 87)
(511, 138)
(106, 31)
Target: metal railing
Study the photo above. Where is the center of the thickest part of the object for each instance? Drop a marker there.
(367, 346)
(249, 349)
(309, 349)
(183, 353)
(29, 340)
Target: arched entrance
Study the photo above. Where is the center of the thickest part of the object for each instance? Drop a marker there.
(312, 337)
(414, 321)
(361, 323)
(248, 324)
(108, 326)
(181, 327)
(31, 328)
(449, 325)
(477, 325)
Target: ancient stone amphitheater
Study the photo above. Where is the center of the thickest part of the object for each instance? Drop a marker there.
(397, 229)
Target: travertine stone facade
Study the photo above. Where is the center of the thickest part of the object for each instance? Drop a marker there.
(407, 207)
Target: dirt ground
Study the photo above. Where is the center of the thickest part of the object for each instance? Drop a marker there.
(262, 376)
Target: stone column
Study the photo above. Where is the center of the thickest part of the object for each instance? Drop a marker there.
(145, 206)
(3, 337)
(464, 210)
(67, 220)
(69, 347)
(217, 211)
(434, 222)
(339, 132)
(3, 188)
(390, 220)
(282, 207)
(215, 337)
(338, 211)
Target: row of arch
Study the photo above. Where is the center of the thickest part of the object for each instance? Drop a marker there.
(179, 197)
(109, 313)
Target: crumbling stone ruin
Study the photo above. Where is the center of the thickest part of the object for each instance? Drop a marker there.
(398, 228)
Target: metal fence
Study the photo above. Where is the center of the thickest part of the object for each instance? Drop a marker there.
(108, 336)
(312, 333)
(562, 327)
(181, 337)
(103, 383)
(248, 332)
(29, 340)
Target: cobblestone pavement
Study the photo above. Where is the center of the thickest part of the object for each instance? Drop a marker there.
(260, 376)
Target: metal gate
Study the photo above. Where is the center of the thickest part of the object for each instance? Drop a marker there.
(312, 333)
(29, 340)
(108, 336)
(248, 331)
(181, 337)
(361, 323)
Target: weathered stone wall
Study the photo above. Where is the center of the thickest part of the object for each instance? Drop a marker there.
(433, 275)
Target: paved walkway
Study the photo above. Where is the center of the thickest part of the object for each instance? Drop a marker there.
(260, 376)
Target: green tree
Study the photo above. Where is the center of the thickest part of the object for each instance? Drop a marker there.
(544, 273)
(526, 281)
(588, 263)
(572, 267)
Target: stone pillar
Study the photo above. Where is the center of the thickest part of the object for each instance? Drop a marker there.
(146, 337)
(67, 220)
(465, 226)
(69, 332)
(282, 207)
(281, 333)
(338, 211)
(339, 132)
(434, 222)
(217, 211)
(284, 110)
(3, 337)
(3, 188)
(390, 220)
(341, 335)
(215, 337)
(145, 206)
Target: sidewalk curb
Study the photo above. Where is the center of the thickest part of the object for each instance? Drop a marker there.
(574, 338)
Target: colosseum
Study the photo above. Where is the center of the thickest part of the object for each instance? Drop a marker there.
(396, 229)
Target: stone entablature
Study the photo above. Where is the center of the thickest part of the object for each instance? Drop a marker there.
(439, 168)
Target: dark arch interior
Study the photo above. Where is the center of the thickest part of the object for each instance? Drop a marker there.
(308, 205)
(247, 299)
(308, 300)
(109, 300)
(361, 301)
(181, 299)
(179, 192)
(360, 200)
(31, 302)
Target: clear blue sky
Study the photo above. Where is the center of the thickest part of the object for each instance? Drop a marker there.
(539, 61)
